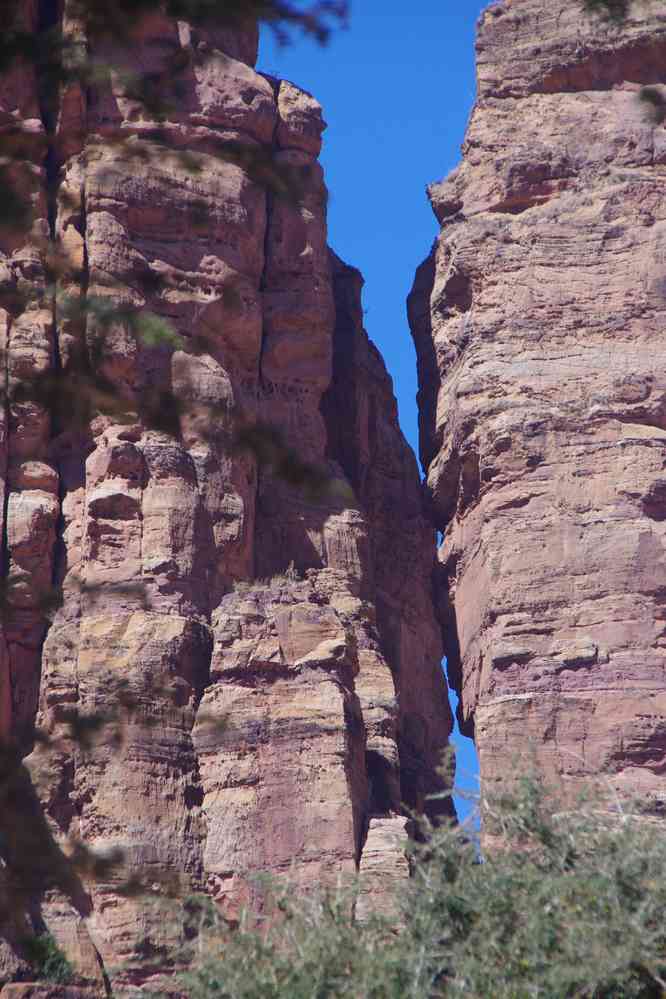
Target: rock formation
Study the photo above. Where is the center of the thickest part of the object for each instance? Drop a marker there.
(242, 675)
(538, 321)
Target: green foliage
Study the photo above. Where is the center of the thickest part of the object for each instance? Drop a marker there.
(614, 10)
(655, 102)
(282, 16)
(116, 19)
(267, 444)
(565, 903)
(562, 904)
(313, 950)
(48, 962)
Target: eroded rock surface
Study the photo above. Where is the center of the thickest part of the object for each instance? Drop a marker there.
(539, 324)
(262, 659)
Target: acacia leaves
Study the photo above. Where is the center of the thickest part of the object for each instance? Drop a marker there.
(566, 904)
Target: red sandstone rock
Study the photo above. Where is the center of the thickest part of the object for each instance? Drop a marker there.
(384, 867)
(264, 661)
(538, 321)
(36, 990)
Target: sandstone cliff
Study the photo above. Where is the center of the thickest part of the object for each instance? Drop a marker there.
(538, 321)
(265, 658)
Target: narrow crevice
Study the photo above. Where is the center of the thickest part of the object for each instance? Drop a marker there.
(341, 396)
(52, 172)
(106, 981)
(263, 287)
(48, 14)
(420, 323)
(263, 280)
(263, 284)
(355, 745)
(383, 797)
(49, 20)
(270, 197)
(6, 416)
(462, 739)
(460, 485)
(48, 74)
(383, 786)
(444, 580)
(196, 789)
(14, 307)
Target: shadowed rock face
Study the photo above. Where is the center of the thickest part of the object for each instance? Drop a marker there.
(265, 660)
(539, 324)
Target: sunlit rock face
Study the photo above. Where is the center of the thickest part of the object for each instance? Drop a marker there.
(263, 657)
(539, 324)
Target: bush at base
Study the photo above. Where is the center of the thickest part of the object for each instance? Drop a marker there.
(47, 960)
(563, 904)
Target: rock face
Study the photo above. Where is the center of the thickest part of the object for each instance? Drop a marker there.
(243, 673)
(32, 990)
(539, 325)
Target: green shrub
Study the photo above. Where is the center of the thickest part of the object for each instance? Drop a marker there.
(562, 905)
(48, 962)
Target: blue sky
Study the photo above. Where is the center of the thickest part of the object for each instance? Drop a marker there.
(397, 88)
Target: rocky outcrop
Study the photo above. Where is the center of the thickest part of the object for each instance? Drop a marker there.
(538, 321)
(241, 674)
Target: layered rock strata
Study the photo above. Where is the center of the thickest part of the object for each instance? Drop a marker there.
(243, 672)
(539, 324)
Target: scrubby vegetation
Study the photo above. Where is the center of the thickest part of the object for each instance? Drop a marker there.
(47, 961)
(560, 904)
